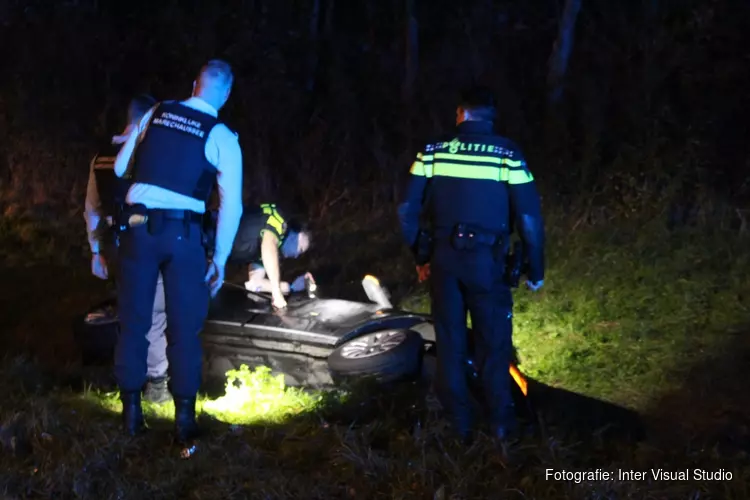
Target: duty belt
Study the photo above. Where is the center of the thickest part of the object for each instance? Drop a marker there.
(136, 215)
(470, 233)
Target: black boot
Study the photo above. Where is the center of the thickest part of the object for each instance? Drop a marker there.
(132, 413)
(186, 429)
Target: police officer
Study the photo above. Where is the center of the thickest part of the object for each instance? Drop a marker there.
(264, 236)
(468, 184)
(105, 196)
(173, 157)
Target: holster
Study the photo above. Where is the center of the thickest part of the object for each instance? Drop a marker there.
(210, 221)
(119, 221)
(129, 216)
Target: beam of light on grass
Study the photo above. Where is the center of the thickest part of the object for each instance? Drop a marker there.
(251, 397)
(257, 396)
(627, 311)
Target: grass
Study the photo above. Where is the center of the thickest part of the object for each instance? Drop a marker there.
(250, 397)
(640, 317)
(65, 443)
(625, 313)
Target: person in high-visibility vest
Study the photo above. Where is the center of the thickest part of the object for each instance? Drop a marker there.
(473, 186)
(263, 238)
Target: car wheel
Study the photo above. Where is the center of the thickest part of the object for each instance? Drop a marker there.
(386, 355)
(96, 334)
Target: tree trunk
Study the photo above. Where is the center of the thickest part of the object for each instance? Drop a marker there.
(313, 46)
(412, 51)
(328, 29)
(561, 51)
(371, 22)
(263, 13)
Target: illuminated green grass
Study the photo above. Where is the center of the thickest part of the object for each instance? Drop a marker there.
(251, 397)
(623, 313)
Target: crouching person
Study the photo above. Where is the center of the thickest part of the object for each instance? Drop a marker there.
(264, 237)
(105, 196)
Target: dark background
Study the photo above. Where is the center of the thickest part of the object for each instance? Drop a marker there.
(642, 162)
(654, 104)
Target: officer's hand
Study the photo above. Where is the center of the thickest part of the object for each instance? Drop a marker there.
(99, 267)
(534, 285)
(279, 302)
(215, 277)
(423, 272)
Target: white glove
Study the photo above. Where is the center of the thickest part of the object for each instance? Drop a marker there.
(534, 285)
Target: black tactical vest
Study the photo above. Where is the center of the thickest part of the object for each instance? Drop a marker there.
(172, 155)
(246, 246)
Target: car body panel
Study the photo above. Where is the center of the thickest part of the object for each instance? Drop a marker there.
(313, 322)
(242, 327)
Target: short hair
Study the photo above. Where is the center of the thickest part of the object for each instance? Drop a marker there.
(219, 71)
(479, 101)
(295, 224)
(138, 107)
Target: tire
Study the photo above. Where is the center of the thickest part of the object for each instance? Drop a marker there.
(402, 357)
(96, 334)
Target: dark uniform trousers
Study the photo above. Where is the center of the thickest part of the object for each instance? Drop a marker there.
(472, 280)
(176, 250)
(157, 341)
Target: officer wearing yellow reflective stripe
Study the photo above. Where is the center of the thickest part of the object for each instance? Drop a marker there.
(264, 236)
(472, 187)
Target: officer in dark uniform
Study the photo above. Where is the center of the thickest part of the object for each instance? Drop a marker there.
(105, 198)
(468, 185)
(264, 236)
(174, 157)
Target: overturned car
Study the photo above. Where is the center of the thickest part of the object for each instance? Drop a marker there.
(314, 342)
(318, 342)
